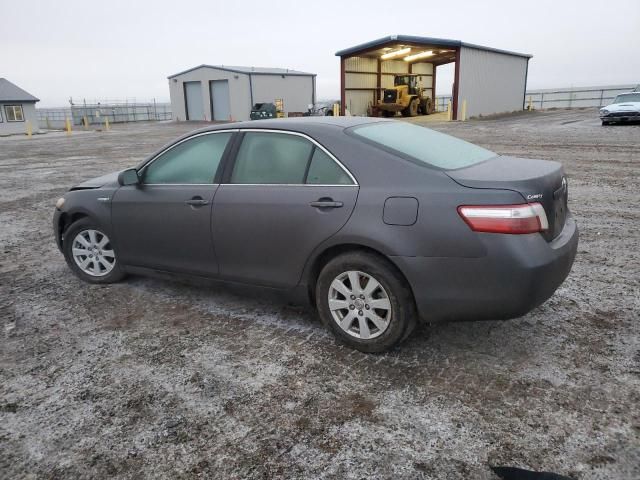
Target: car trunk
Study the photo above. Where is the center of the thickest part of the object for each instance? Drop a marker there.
(539, 181)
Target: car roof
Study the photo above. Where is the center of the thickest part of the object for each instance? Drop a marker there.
(298, 124)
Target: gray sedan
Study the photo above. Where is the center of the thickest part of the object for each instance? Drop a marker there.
(380, 223)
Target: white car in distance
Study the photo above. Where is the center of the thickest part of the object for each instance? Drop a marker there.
(625, 108)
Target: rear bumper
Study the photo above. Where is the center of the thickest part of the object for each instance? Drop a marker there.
(518, 273)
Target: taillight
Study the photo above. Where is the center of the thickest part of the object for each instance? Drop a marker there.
(514, 219)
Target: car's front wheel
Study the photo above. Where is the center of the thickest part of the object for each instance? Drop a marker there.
(90, 253)
(365, 302)
(604, 122)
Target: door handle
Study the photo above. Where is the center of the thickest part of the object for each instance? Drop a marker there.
(196, 202)
(326, 204)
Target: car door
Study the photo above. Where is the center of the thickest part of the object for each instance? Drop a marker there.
(165, 221)
(282, 196)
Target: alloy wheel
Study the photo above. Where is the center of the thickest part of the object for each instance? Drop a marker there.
(359, 304)
(93, 254)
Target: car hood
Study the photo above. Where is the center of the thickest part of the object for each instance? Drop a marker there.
(110, 179)
(624, 107)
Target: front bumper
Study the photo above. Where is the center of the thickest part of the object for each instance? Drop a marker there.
(56, 228)
(391, 107)
(621, 117)
(518, 273)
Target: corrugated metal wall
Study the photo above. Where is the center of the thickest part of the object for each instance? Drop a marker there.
(490, 82)
(394, 66)
(357, 101)
(426, 69)
(295, 90)
(361, 64)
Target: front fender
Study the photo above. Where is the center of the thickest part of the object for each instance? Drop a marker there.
(94, 203)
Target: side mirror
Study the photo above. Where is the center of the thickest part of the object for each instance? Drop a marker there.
(128, 177)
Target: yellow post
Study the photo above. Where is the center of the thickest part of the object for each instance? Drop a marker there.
(336, 110)
(106, 124)
(449, 110)
(68, 126)
(29, 131)
(464, 110)
(530, 103)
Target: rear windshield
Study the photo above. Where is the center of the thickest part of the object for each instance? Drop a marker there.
(423, 144)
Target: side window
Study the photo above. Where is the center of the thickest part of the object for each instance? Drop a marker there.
(325, 171)
(194, 161)
(265, 158)
(14, 113)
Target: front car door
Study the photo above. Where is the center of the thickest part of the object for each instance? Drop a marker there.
(165, 222)
(282, 196)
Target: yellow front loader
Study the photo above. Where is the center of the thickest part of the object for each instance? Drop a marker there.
(406, 96)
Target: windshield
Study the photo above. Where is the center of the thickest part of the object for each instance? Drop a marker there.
(424, 145)
(629, 97)
(402, 80)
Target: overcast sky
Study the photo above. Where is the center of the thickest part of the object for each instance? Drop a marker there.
(117, 49)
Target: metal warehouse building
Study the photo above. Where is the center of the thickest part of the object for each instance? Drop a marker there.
(211, 92)
(489, 79)
(17, 107)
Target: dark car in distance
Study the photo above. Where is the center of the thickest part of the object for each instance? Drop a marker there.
(380, 222)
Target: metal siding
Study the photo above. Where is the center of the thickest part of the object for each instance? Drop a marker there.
(239, 98)
(422, 68)
(361, 64)
(295, 91)
(490, 82)
(361, 80)
(394, 66)
(387, 81)
(357, 101)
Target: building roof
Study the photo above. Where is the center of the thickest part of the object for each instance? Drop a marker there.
(249, 70)
(13, 93)
(397, 40)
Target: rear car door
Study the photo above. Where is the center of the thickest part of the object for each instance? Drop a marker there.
(282, 196)
(165, 221)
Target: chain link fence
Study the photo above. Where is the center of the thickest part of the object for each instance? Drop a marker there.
(97, 113)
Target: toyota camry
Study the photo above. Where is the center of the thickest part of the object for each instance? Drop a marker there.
(381, 224)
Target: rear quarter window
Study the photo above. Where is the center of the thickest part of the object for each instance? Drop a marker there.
(423, 145)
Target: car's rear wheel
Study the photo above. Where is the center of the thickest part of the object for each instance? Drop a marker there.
(90, 253)
(365, 302)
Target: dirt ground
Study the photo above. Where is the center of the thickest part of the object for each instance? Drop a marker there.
(153, 378)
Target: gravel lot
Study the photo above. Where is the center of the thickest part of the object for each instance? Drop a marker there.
(158, 378)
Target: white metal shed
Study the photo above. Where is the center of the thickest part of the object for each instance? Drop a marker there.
(227, 93)
(489, 79)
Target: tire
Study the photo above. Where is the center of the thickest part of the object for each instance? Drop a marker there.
(604, 123)
(394, 321)
(412, 109)
(85, 234)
